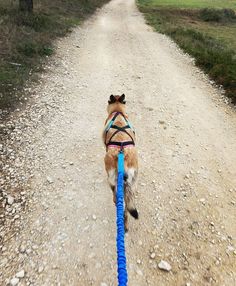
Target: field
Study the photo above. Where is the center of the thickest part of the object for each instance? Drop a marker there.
(192, 3)
(204, 29)
(26, 39)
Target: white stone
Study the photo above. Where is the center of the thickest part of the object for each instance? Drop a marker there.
(10, 200)
(20, 274)
(50, 180)
(153, 255)
(164, 265)
(40, 269)
(14, 281)
(139, 272)
(230, 248)
(94, 217)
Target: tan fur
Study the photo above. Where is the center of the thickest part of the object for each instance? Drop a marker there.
(130, 156)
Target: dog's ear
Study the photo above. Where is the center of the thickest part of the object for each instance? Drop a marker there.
(112, 99)
(122, 99)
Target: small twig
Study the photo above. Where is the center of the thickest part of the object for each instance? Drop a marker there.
(15, 64)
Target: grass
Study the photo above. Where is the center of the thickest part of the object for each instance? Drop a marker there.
(191, 4)
(25, 39)
(204, 29)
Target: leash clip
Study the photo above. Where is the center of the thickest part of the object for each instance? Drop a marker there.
(121, 148)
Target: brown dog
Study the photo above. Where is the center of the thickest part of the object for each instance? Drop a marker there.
(119, 134)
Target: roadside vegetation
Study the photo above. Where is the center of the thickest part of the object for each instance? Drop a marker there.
(205, 29)
(26, 38)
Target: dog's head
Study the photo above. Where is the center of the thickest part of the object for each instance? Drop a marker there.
(116, 103)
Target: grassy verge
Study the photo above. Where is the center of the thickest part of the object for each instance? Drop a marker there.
(25, 39)
(204, 29)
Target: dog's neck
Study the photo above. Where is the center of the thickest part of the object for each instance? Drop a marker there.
(116, 107)
(114, 112)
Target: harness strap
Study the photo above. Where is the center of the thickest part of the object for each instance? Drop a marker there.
(118, 129)
(121, 144)
(112, 121)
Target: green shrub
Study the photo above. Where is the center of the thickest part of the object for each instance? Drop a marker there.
(29, 48)
(217, 15)
(45, 50)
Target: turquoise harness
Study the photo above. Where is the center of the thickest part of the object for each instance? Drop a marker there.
(119, 129)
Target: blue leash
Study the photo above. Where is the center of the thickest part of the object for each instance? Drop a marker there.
(120, 240)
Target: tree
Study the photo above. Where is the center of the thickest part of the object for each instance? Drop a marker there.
(26, 5)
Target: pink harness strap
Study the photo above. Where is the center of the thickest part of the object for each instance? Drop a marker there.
(116, 146)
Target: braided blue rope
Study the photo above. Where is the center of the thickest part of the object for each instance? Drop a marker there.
(120, 241)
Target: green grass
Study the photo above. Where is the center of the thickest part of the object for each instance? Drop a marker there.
(26, 39)
(192, 4)
(207, 34)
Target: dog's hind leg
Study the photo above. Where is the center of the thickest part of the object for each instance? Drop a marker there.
(130, 178)
(112, 177)
(130, 201)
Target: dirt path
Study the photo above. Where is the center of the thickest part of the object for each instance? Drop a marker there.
(187, 180)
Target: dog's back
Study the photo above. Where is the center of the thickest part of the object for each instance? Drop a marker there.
(119, 134)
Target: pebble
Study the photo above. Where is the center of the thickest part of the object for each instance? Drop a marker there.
(20, 274)
(230, 248)
(164, 265)
(40, 269)
(14, 281)
(202, 200)
(28, 251)
(139, 272)
(50, 180)
(10, 200)
(94, 217)
(153, 255)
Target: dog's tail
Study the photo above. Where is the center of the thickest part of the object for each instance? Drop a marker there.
(133, 212)
(129, 199)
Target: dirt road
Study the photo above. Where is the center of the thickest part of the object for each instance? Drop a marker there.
(186, 139)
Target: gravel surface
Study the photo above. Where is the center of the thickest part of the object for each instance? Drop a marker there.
(57, 215)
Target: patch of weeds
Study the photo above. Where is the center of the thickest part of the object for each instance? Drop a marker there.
(217, 15)
(36, 21)
(31, 49)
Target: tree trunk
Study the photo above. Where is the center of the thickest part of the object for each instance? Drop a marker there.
(26, 5)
